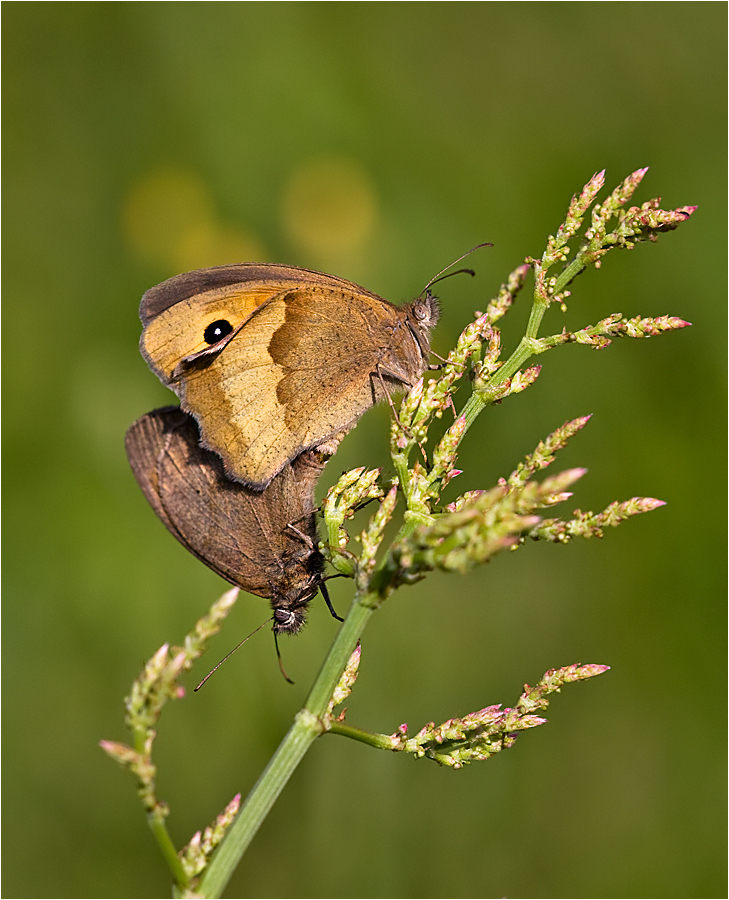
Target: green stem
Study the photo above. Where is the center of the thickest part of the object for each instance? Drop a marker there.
(380, 741)
(340, 651)
(300, 737)
(576, 266)
(485, 396)
(156, 817)
(530, 345)
(539, 308)
(159, 829)
(400, 462)
(308, 725)
(140, 738)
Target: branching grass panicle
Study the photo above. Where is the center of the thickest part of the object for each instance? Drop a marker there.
(453, 537)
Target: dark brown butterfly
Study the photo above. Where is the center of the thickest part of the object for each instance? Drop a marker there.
(275, 360)
(265, 542)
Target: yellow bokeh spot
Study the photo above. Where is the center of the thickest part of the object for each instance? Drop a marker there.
(169, 220)
(329, 209)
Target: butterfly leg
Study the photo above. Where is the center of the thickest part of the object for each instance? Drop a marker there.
(378, 372)
(300, 534)
(325, 595)
(394, 412)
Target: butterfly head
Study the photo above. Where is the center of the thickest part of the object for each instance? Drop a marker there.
(426, 310)
(294, 588)
(421, 317)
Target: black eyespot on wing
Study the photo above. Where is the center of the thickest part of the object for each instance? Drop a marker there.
(217, 330)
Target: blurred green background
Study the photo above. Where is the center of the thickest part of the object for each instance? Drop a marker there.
(376, 141)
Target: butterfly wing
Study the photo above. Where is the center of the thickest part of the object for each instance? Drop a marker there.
(293, 367)
(297, 374)
(242, 535)
(176, 313)
(207, 513)
(145, 443)
(225, 525)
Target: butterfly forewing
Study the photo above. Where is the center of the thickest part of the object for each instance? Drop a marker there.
(278, 361)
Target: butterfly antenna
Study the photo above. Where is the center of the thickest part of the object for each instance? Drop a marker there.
(442, 271)
(215, 669)
(278, 655)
